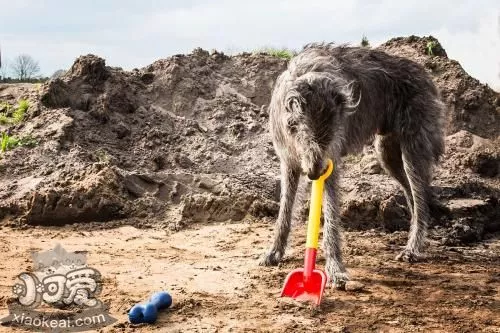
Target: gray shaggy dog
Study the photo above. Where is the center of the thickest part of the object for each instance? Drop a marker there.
(331, 101)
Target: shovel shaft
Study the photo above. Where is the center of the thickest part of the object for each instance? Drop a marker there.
(315, 208)
(309, 262)
(314, 221)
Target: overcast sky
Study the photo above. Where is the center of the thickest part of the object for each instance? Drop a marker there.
(135, 33)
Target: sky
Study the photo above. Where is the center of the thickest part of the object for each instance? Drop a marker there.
(132, 34)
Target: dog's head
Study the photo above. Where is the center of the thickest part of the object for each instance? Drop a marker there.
(316, 106)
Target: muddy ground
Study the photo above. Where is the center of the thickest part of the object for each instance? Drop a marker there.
(166, 176)
(212, 272)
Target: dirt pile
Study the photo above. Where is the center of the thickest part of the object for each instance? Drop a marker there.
(472, 106)
(469, 169)
(180, 140)
(185, 139)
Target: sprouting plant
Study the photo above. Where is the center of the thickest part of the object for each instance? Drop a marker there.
(28, 141)
(3, 142)
(283, 53)
(4, 119)
(18, 114)
(364, 41)
(431, 45)
(8, 142)
(5, 107)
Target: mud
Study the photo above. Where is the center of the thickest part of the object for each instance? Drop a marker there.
(212, 273)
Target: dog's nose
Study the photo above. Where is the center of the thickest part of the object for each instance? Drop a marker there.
(313, 176)
(316, 170)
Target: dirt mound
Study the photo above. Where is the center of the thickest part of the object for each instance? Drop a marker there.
(185, 139)
(472, 106)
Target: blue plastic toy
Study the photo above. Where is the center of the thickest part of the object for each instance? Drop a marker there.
(148, 312)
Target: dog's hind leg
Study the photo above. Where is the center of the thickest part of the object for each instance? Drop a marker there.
(417, 163)
(290, 176)
(389, 153)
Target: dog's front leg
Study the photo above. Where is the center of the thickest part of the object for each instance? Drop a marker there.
(290, 176)
(332, 240)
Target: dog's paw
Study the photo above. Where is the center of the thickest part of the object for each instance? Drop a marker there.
(337, 276)
(271, 258)
(339, 280)
(408, 256)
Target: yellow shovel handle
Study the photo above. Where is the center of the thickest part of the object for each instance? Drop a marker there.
(315, 208)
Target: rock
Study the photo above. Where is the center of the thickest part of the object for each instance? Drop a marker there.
(394, 215)
(485, 162)
(466, 207)
(370, 165)
(464, 231)
(373, 168)
(121, 130)
(147, 77)
(354, 286)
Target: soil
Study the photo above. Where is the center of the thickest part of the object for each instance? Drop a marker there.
(166, 175)
(211, 270)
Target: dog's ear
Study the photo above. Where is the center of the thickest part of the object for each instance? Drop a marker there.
(296, 97)
(329, 90)
(345, 97)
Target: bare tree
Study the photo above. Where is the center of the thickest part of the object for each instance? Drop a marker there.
(25, 67)
(4, 69)
(58, 73)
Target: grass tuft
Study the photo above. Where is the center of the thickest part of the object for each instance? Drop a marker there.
(8, 142)
(4, 119)
(430, 48)
(283, 53)
(17, 115)
(364, 41)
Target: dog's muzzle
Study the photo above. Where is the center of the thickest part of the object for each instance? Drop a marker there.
(317, 169)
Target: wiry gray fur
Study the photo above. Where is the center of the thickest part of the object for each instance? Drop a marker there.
(331, 101)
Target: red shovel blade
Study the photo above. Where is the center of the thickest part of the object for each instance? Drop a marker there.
(302, 289)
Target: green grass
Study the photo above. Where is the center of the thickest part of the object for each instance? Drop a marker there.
(6, 106)
(364, 41)
(17, 115)
(283, 53)
(4, 119)
(430, 48)
(28, 141)
(8, 142)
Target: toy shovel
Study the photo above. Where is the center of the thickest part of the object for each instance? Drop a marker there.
(308, 283)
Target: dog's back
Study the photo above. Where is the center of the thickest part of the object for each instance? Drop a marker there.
(396, 95)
